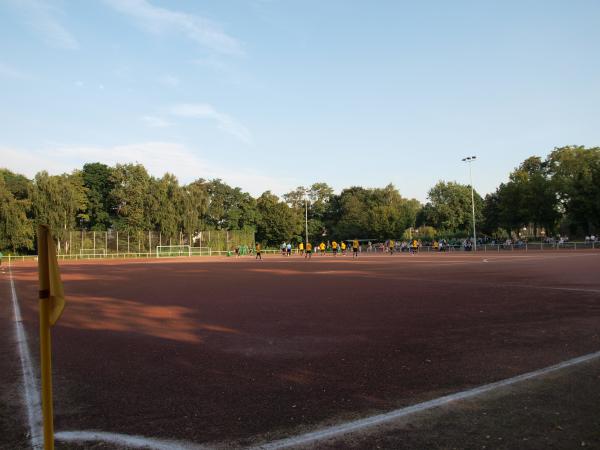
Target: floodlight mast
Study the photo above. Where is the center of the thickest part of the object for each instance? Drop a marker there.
(306, 217)
(470, 159)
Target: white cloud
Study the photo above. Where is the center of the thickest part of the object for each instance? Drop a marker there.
(211, 63)
(41, 17)
(7, 71)
(225, 71)
(155, 122)
(157, 157)
(159, 20)
(170, 80)
(225, 122)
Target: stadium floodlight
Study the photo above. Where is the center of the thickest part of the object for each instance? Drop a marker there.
(470, 159)
(306, 215)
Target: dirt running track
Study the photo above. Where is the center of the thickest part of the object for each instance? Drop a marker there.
(245, 351)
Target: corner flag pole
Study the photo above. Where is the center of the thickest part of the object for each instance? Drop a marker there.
(51, 306)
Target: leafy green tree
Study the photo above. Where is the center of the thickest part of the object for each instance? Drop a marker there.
(296, 199)
(425, 232)
(244, 214)
(449, 207)
(349, 215)
(390, 213)
(528, 198)
(229, 208)
(371, 213)
(18, 185)
(60, 201)
(575, 174)
(538, 200)
(512, 212)
(194, 205)
(538, 192)
(320, 194)
(130, 195)
(410, 209)
(316, 198)
(99, 183)
(16, 230)
(491, 215)
(277, 221)
(163, 205)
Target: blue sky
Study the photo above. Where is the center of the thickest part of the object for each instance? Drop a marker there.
(276, 94)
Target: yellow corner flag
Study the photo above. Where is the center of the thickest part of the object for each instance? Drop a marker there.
(52, 303)
(50, 283)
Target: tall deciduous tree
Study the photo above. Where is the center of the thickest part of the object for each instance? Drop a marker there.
(98, 180)
(449, 208)
(316, 200)
(491, 215)
(575, 174)
(16, 230)
(229, 208)
(18, 185)
(130, 196)
(371, 213)
(164, 205)
(194, 204)
(531, 196)
(277, 221)
(59, 201)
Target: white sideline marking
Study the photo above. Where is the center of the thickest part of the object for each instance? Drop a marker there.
(30, 392)
(130, 441)
(360, 424)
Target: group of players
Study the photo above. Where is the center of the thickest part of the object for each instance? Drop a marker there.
(307, 250)
(336, 248)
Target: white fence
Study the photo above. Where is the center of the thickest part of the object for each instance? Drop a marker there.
(207, 251)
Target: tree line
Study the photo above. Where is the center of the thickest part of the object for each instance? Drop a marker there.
(560, 193)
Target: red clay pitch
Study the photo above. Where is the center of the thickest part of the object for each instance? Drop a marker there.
(237, 350)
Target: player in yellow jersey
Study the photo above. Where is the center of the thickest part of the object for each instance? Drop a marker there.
(322, 248)
(391, 245)
(343, 246)
(334, 248)
(414, 245)
(258, 251)
(301, 248)
(308, 253)
(355, 248)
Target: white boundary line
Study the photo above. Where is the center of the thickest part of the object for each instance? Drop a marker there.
(130, 441)
(30, 392)
(361, 424)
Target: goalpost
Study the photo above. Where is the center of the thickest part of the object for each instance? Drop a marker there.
(92, 253)
(200, 251)
(173, 250)
(170, 251)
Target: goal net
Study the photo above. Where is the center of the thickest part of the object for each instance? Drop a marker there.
(92, 253)
(163, 251)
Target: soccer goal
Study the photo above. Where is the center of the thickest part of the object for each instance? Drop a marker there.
(200, 251)
(92, 253)
(169, 251)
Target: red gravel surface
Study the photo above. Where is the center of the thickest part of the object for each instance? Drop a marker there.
(244, 351)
